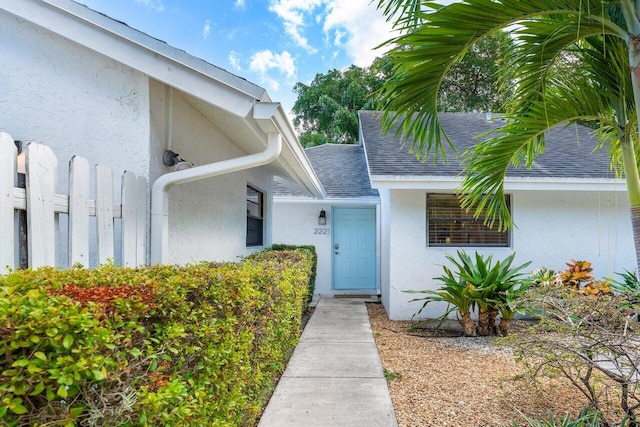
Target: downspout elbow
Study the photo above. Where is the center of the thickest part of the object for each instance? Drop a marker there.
(160, 189)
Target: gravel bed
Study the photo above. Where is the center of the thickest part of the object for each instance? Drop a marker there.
(457, 381)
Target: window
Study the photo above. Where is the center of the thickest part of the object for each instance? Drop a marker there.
(449, 225)
(255, 216)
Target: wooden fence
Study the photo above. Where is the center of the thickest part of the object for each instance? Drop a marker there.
(38, 205)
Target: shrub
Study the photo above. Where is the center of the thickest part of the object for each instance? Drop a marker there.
(162, 346)
(590, 336)
(588, 418)
(311, 251)
(477, 282)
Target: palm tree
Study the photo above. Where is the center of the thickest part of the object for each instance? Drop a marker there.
(574, 61)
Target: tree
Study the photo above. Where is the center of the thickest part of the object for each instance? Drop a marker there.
(573, 61)
(472, 83)
(327, 109)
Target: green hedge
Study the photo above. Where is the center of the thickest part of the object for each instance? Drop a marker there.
(311, 251)
(161, 346)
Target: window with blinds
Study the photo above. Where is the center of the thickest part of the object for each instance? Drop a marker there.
(449, 225)
(255, 217)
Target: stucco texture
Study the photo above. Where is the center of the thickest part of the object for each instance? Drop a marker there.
(207, 218)
(74, 100)
(551, 229)
(296, 223)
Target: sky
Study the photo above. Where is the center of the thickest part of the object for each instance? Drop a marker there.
(272, 43)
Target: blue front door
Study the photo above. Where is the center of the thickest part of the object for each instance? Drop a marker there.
(354, 248)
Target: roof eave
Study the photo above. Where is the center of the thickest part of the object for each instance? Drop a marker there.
(450, 183)
(369, 200)
(168, 65)
(140, 51)
(293, 159)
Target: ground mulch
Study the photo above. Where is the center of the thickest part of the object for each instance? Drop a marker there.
(460, 381)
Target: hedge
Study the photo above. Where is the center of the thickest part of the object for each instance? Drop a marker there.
(161, 346)
(311, 251)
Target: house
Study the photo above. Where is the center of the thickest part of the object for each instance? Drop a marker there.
(210, 143)
(568, 205)
(343, 226)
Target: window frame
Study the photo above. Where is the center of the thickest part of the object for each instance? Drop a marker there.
(254, 221)
(477, 226)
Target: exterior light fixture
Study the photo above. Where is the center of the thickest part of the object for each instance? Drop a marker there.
(322, 219)
(169, 158)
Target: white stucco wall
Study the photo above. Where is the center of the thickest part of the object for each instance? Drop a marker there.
(74, 100)
(80, 102)
(296, 224)
(207, 218)
(385, 249)
(552, 228)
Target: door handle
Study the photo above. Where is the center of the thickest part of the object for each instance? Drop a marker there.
(336, 252)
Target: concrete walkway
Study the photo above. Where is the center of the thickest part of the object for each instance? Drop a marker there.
(334, 377)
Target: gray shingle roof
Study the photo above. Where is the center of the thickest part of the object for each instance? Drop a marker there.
(568, 151)
(342, 170)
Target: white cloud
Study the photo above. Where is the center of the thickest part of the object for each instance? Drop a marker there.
(339, 35)
(234, 60)
(152, 4)
(240, 4)
(266, 63)
(358, 27)
(293, 13)
(206, 30)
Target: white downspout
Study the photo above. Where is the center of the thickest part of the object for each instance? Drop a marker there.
(159, 192)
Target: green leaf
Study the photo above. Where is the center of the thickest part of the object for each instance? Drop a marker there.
(62, 391)
(76, 411)
(50, 394)
(67, 341)
(37, 389)
(33, 368)
(40, 355)
(97, 374)
(18, 409)
(20, 363)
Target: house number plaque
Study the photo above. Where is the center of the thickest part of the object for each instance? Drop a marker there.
(320, 231)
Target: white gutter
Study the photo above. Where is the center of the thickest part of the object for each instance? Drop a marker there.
(263, 114)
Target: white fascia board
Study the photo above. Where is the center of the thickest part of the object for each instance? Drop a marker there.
(141, 52)
(360, 201)
(408, 182)
(565, 184)
(293, 158)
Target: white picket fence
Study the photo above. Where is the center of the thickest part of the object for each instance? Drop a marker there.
(42, 204)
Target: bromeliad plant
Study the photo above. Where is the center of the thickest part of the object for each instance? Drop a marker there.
(457, 294)
(492, 289)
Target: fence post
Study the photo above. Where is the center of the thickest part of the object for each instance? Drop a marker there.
(41, 177)
(104, 213)
(7, 176)
(141, 222)
(129, 217)
(78, 211)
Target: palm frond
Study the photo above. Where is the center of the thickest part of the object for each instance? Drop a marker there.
(423, 56)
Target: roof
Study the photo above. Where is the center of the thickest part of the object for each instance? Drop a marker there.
(568, 151)
(227, 100)
(342, 170)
